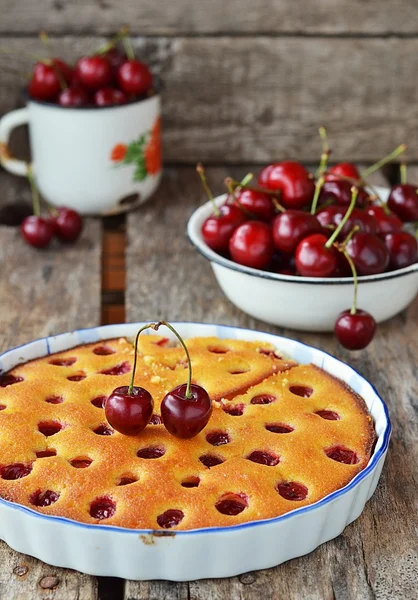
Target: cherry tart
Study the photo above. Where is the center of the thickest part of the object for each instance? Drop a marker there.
(280, 435)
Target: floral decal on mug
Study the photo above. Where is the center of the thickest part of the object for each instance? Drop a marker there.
(144, 153)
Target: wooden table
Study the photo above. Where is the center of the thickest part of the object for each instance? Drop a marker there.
(47, 292)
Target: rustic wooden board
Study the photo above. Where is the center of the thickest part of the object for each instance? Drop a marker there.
(42, 293)
(375, 557)
(237, 16)
(235, 100)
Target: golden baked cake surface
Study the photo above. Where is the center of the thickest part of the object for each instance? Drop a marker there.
(280, 436)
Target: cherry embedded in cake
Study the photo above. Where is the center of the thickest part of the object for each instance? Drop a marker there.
(268, 414)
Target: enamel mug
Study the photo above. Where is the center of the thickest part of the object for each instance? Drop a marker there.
(97, 160)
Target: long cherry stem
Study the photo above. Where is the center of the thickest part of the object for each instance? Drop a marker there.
(235, 184)
(36, 202)
(201, 172)
(112, 43)
(318, 188)
(354, 194)
(383, 161)
(127, 44)
(404, 173)
(235, 200)
(156, 326)
(131, 385)
(355, 281)
(325, 153)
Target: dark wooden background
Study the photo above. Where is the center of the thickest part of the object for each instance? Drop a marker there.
(248, 80)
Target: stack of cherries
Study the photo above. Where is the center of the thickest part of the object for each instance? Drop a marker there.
(108, 77)
(327, 225)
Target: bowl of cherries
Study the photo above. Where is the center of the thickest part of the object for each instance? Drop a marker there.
(94, 128)
(298, 250)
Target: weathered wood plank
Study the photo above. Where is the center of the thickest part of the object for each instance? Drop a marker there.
(235, 100)
(44, 292)
(181, 17)
(375, 557)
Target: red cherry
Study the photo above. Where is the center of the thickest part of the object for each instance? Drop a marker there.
(115, 58)
(369, 253)
(292, 179)
(93, 72)
(73, 96)
(257, 203)
(186, 417)
(129, 412)
(252, 245)
(218, 229)
(339, 192)
(134, 77)
(290, 227)
(342, 169)
(403, 201)
(45, 83)
(109, 97)
(36, 231)
(64, 69)
(403, 249)
(333, 215)
(68, 224)
(314, 259)
(355, 331)
(386, 221)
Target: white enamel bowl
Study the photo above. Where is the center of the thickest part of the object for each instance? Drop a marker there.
(305, 303)
(200, 553)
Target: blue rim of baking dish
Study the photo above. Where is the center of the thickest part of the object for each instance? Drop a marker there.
(203, 249)
(374, 461)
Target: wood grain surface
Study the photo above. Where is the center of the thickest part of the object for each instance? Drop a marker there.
(44, 292)
(375, 557)
(234, 100)
(152, 17)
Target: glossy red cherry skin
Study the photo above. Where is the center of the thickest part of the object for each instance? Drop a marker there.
(129, 413)
(369, 253)
(68, 224)
(258, 204)
(93, 72)
(115, 58)
(109, 97)
(36, 231)
(338, 191)
(403, 201)
(134, 77)
(45, 83)
(355, 332)
(313, 259)
(290, 227)
(186, 417)
(333, 215)
(292, 179)
(403, 249)
(345, 169)
(218, 229)
(386, 221)
(252, 245)
(73, 97)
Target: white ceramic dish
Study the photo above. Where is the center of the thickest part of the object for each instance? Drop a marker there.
(200, 553)
(303, 303)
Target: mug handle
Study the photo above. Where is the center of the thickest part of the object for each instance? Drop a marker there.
(7, 124)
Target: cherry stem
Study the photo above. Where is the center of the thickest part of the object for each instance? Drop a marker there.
(235, 184)
(156, 326)
(383, 161)
(354, 194)
(235, 200)
(43, 36)
(201, 172)
(350, 235)
(325, 153)
(355, 281)
(35, 193)
(318, 188)
(112, 43)
(404, 173)
(131, 385)
(127, 44)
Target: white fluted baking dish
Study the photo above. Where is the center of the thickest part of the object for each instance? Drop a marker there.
(200, 553)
